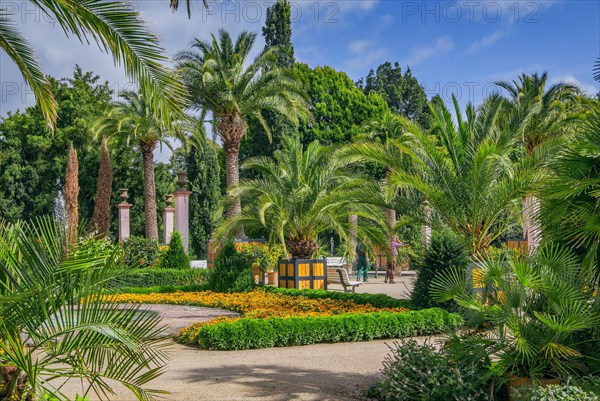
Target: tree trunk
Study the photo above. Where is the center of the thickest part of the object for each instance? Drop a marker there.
(390, 215)
(231, 129)
(101, 219)
(149, 190)
(353, 231)
(531, 226)
(71, 194)
(232, 167)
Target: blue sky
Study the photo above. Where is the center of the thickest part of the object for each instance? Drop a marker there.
(459, 47)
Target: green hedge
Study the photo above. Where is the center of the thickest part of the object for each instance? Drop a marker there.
(163, 289)
(162, 277)
(377, 300)
(247, 333)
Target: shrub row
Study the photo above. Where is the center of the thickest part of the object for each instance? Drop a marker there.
(377, 300)
(248, 333)
(162, 277)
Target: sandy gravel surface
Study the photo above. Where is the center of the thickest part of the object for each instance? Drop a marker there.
(320, 372)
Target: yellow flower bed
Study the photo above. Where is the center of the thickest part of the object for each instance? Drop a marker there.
(256, 304)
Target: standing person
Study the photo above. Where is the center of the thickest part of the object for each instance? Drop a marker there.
(362, 262)
(395, 243)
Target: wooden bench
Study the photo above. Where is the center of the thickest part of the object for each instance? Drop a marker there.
(340, 276)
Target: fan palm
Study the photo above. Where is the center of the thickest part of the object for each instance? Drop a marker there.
(133, 119)
(298, 195)
(464, 170)
(54, 327)
(116, 27)
(571, 195)
(535, 307)
(220, 81)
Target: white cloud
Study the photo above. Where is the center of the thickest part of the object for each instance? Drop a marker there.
(366, 54)
(420, 54)
(589, 89)
(387, 18)
(487, 41)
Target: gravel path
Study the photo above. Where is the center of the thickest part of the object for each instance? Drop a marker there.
(320, 372)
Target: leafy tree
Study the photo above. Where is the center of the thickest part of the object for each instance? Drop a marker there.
(339, 108)
(54, 324)
(133, 120)
(298, 195)
(220, 82)
(278, 32)
(278, 35)
(33, 158)
(232, 272)
(117, 29)
(203, 168)
(402, 92)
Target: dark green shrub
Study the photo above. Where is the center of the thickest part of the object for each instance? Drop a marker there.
(246, 333)
(232, 271)
(140, 252)
(377, 300)
(445, 251)
(174, 257)
(553, 393)
(166, 289)
(162, 277)
(422, 372)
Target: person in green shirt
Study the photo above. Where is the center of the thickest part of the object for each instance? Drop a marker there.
(362, 264)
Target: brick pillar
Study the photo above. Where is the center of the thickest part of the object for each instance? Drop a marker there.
(182, 210)
(123, 207)
(426, 229)
(169, 219)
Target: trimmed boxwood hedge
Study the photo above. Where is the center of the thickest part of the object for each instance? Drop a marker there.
(162, 277)
(247, 333)
(377, 300)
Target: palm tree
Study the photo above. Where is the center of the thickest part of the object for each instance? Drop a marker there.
(551, 114)
(465, 171)
(533, 308)
(133, 119)
(54, 326)
(116, 28)
(220, 82)
(571, 195)
(298, 195)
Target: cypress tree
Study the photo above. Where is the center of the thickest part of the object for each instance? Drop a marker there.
(101, 218)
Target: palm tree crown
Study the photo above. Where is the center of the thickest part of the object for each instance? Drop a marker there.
(220, 81)
(465, 171)
(117, 28)
(299, 194)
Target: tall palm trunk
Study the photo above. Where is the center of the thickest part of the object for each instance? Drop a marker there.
(232, 128)
(147, 149)
(531, 225)
(232, 167)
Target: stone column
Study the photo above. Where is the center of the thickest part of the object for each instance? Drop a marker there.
(426, 229)
(182, 210)
(169, 219)
(123, 215)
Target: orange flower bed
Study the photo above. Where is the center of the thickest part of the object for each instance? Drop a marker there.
(256, 304)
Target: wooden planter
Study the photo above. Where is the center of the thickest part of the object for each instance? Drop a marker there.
(515, 382)
(303, 273)
(272, 277)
